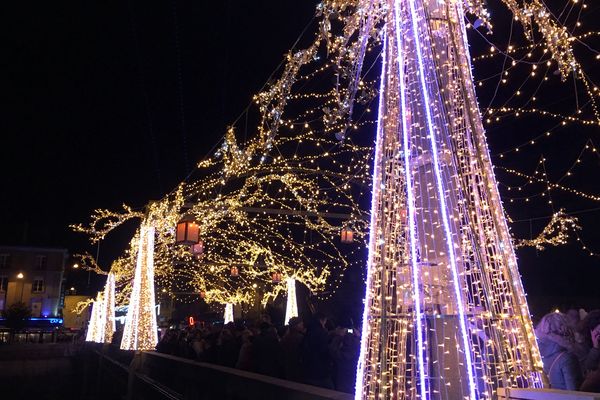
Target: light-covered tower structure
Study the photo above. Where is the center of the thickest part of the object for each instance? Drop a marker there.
(228, 314)
(291, 305)
(109, 309)
(95, 332)
(141, 330)
(445, 312)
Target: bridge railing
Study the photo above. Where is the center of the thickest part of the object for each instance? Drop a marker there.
(110, 373)
(544, 394)
(156, 376)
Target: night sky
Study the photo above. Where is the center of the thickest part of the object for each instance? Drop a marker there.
(113, 102)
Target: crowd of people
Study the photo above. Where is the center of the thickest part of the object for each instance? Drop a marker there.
(311, 354)
(570, 348)
(569, 344)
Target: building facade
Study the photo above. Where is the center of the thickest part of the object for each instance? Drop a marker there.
(73, 320)
(34, 276)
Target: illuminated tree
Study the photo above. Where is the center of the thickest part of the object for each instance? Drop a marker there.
(141, 330)
(95, 332)
(109, 308)
(265, 209)
(443, 290)
(16, 316)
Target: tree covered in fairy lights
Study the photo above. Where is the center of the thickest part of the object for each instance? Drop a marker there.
(272, 206)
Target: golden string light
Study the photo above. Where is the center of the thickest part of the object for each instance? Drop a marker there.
(494, 51)
(104, 221)
(585, 248)
(551, 185)
(564, 118)
(556, 233)
(557, 39)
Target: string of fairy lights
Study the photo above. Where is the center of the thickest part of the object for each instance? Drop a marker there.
(581, 121)
(261, 234)
(263, 206)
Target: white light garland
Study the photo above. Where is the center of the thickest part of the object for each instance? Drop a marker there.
(95, 332)
(108, 320)
(141, 331)
(291, 307)
(228, 315)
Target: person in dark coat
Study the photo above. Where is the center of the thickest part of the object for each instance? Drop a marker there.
(590, 331)
(168, 343)
(210, 346)
(245, 357)
(292, 349)
(316, 360)
(345, 350)
(266, 352)
(557, 347)
(228, 347)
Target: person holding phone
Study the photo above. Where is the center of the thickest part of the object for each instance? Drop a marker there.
(345, 349)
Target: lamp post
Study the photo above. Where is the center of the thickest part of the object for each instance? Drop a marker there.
(20, 277)
(97, 261)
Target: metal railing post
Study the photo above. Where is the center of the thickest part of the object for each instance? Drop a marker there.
(135, 365)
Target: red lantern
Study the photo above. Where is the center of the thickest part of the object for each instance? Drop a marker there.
(202, 294)
(198, 248)
(191, 321)
(234, 271)
(188, 232)
(277, 277)
(347, 235)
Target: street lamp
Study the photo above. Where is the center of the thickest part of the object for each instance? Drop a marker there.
(20, 276)
(75, 266)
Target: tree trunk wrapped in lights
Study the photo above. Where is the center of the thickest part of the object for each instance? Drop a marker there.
(89, 336)
(91, 328)
(141, 331)
(228, 315)
(445, 315)
(95, 332)
(291, 307)
(109, 309)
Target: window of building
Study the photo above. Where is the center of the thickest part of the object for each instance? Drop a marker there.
(4, 261)
(3, 283)
(40, 262)
(37, 286)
